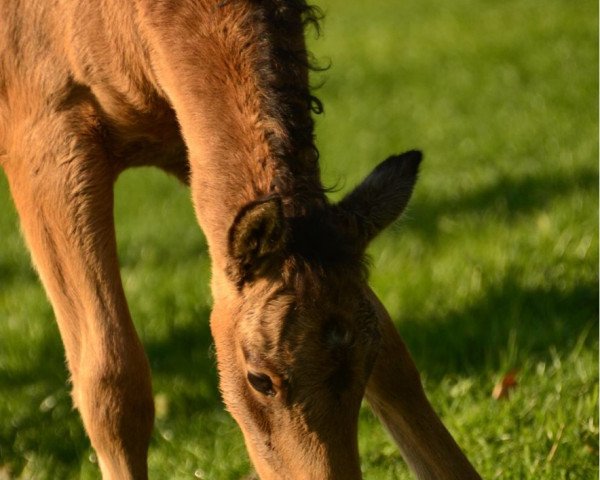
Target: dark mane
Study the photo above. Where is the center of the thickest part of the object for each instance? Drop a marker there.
(284, 65)
(317, 247)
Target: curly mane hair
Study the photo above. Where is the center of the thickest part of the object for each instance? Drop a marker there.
(285, 65)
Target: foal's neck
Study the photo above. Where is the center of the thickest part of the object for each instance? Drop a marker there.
(239, 85)
(274, 103)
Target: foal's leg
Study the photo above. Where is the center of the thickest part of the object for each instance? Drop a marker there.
(397, 397)
(62, 184)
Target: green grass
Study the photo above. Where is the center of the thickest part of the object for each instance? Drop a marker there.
(494, 268)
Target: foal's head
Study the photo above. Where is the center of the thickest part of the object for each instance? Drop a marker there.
(297, 337)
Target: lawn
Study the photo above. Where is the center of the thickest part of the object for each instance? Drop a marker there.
(494, 268)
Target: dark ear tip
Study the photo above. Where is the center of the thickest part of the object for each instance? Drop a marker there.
(411, 159)
(407, 163)
(413, 156)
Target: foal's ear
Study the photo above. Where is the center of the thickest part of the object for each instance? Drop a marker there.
(257, 238)
(382, 196)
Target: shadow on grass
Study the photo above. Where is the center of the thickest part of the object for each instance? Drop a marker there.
(507, 197)
(509, 321)
(506, 326)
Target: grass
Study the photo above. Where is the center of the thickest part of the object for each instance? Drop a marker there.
(494, 268)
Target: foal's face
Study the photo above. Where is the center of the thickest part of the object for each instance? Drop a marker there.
(293, 374)
(297, 341)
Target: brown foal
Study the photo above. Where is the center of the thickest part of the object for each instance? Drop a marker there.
(216, 93)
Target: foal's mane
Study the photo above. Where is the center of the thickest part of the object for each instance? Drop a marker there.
(284, 65)
(317, 245)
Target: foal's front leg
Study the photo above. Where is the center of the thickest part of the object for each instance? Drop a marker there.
(62, 185)
(397, 397)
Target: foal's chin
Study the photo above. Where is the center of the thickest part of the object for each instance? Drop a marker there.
(299, 452)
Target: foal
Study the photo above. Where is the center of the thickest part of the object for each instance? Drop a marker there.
(216, 93)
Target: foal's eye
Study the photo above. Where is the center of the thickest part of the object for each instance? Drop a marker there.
(261, 383)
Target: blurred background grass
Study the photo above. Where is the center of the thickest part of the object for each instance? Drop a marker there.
(494, 268)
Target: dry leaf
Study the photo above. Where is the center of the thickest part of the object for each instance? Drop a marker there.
(502, 388)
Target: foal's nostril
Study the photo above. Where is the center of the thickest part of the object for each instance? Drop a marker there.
(261, 383)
